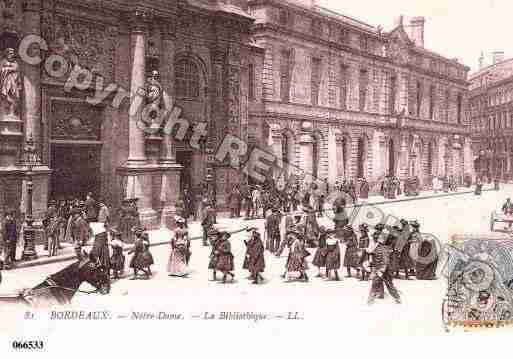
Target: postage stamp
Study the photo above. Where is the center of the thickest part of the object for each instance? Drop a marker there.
(479, 281)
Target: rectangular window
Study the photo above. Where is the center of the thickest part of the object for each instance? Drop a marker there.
(316, 28)
(285, 75)
(375, 90)
(447, 105)
(459, 108)
(344, 36)
(251, 81)
(315, 80)
(364, 43)
(363, 84)
(419, 98)
(284, 17)
(343, 84)
(393, 95)
(432, 102)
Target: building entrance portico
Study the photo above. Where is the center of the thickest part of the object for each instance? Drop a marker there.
(76, 170)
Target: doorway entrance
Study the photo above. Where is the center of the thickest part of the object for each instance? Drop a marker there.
(184, 158)
(76, 170)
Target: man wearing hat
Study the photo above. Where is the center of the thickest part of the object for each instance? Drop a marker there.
(405, 242)
(79, 231)
(296, 226)
(50, 213)
(254, 260)
(395, 241)
(339, 211)
(103, 213)
(272, 228)
(311, 226)
(124, 224)
(117, 261)
(52, 226)
(207, 220)
(214, 253)
(380, 273)
(428, 250)
(90, 208)
(363, 245)
(256, 199)
(100, 250)
(10, 237)
(224, 262)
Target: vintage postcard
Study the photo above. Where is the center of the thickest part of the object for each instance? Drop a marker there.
(253, 168)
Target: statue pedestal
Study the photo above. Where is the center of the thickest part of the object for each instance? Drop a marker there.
(11, 139)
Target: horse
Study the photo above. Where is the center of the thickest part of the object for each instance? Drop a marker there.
(60, 288)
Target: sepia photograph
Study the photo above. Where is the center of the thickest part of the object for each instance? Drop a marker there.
(269, 171)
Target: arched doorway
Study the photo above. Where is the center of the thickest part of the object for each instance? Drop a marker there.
(316, 155)
(430, 158)
(190, 79)
(361, 159)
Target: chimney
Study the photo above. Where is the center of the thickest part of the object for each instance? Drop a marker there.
(498, 56)
(399, 21)
(307, 3)
(481, 61)
(417, 30)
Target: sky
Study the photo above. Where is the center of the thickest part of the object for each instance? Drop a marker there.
(454, 28)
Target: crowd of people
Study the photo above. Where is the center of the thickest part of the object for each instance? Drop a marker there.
(291, 222)
(379, 258)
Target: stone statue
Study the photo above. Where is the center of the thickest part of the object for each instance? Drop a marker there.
(154, 103)
(10, 81)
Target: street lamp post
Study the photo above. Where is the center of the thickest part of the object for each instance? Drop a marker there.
(31, 159)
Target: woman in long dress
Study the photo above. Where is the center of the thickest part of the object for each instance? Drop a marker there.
(351, 259)
(332, 256)
(320, 254)
(180, 246)
(296, 261)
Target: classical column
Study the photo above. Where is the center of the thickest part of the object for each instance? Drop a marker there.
(335, 160)
(138, 34)
(276, 146)
(404, 162)
(305, 160)
(32, 75)
(167, 61)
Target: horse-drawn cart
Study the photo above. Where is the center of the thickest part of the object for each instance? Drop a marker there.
(497, 217)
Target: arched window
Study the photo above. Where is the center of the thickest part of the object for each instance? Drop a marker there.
(361, 159)
(187, 79)
(286, 152)
(315, 156)
(430, 159)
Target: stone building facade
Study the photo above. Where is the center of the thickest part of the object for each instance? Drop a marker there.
(202, 52)
(343, 99)
(491, 114)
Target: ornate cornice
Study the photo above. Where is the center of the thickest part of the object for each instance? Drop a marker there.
(138, 20)
(31, 5)
(334, 45)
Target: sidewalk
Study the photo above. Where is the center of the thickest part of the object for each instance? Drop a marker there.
(162, 236)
